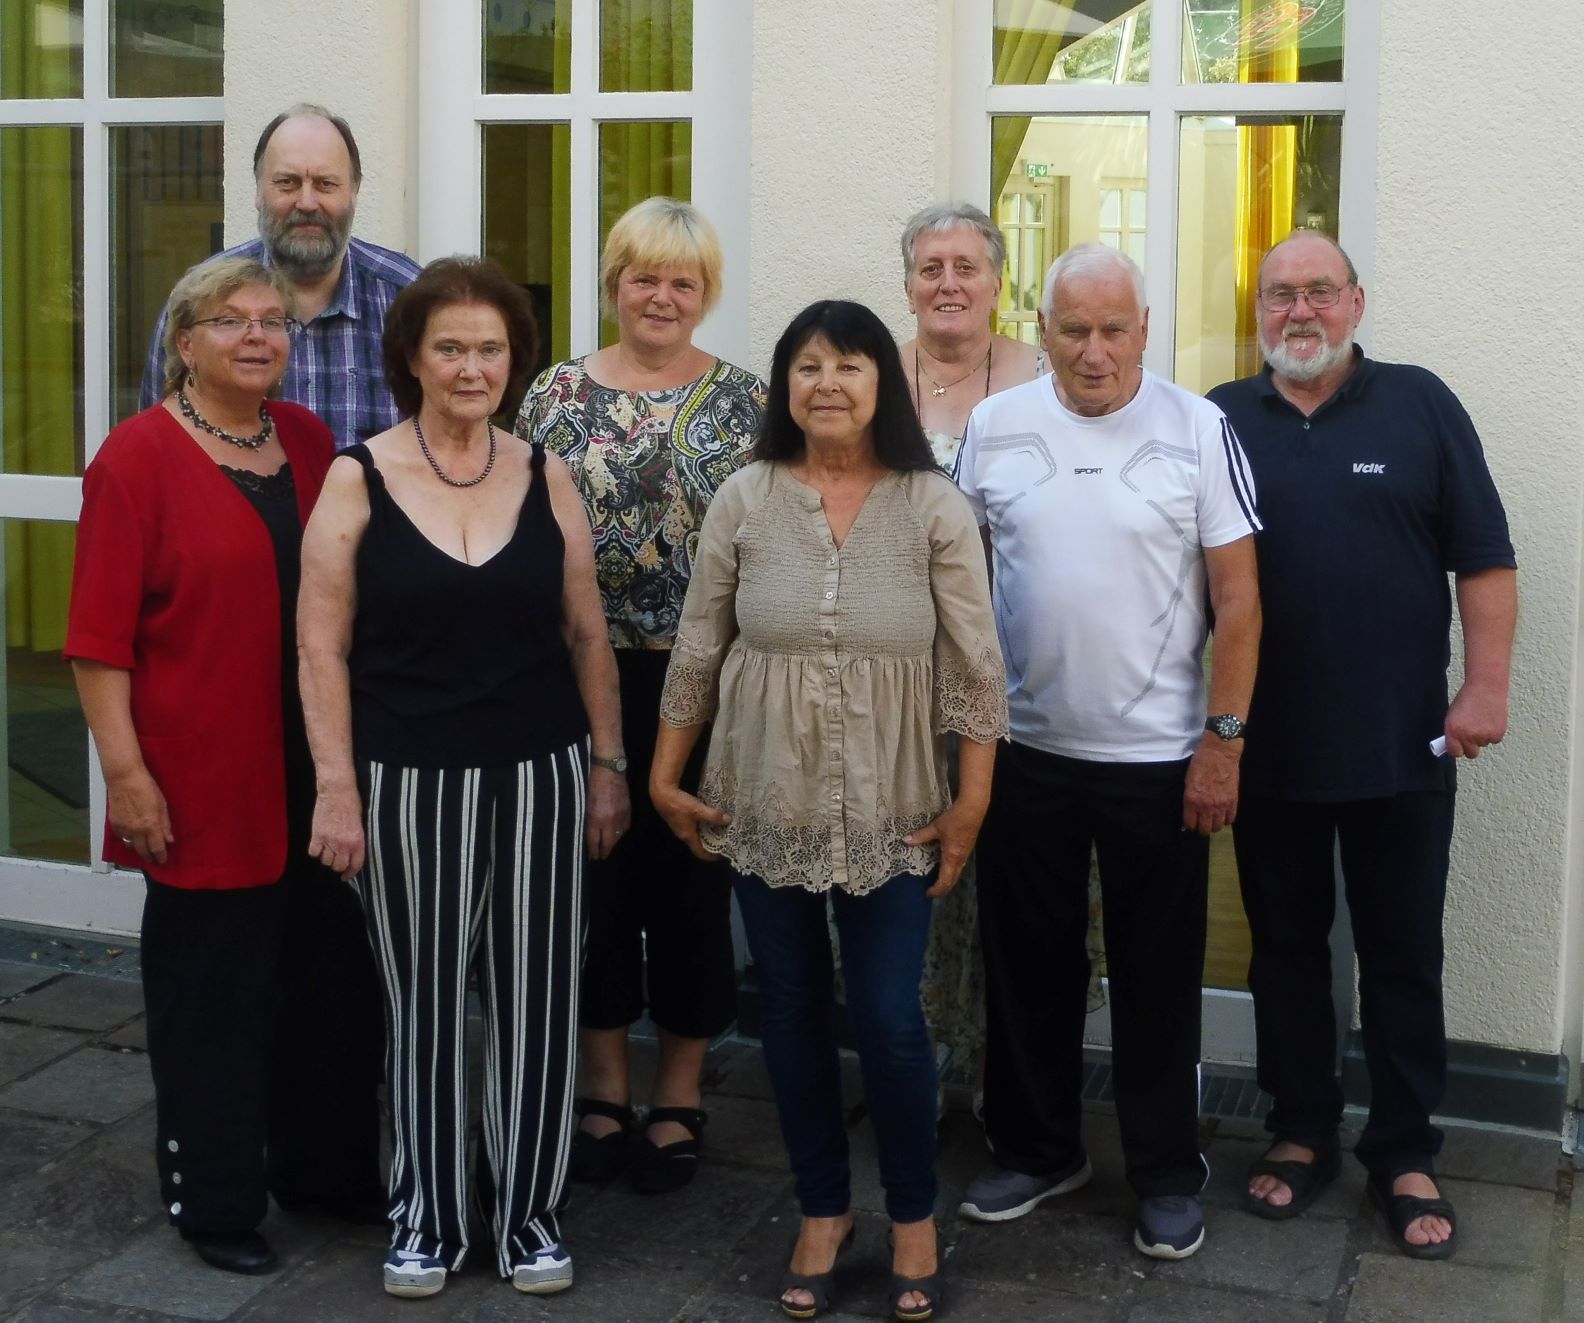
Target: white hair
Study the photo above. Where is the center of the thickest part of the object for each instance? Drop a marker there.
(1088, 259)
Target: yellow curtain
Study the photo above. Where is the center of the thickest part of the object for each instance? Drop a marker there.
(1029, 35)
(40, 325)
(645, 46)
(1267, 177)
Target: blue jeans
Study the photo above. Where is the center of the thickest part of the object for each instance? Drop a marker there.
(883, 935)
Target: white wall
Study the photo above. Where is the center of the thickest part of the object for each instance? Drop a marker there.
(849, 139)
(351, 56)
(1478, 276)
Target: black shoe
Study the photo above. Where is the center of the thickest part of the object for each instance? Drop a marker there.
(233, 1251)
(661, 1168)
(597, 1158)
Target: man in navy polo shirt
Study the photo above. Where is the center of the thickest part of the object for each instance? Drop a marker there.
(1373, 487)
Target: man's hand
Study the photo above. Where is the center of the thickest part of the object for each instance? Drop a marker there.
(1477, 717)
(1210, 797)
(609, 811)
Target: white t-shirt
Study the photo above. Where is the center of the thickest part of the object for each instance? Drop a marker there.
(1097, 527)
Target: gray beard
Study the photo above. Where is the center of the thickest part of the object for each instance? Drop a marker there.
(303, 258)
(1307, 369)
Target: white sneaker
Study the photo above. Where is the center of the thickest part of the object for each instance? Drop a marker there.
(543, 1273)
(412, 1275)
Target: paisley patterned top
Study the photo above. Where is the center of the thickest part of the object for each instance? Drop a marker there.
(647, 464)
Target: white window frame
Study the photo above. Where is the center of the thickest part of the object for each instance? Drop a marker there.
(452, 107)
(97, 897)
(1166, 102)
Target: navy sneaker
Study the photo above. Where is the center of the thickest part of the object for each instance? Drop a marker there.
(1002, 1194)
(412, 1275)
(1170, 1226)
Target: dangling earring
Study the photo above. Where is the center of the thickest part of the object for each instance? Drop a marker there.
(192, 377)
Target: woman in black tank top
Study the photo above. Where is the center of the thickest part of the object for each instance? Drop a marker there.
(455, 671)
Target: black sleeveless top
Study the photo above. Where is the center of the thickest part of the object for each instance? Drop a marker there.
(457, 665)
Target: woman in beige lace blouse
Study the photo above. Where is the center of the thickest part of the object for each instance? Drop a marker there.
(837, 626)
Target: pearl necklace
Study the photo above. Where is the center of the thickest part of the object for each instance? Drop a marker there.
(446, 477)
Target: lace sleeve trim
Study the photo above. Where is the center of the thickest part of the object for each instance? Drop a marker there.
(970, 698)
(690, 690)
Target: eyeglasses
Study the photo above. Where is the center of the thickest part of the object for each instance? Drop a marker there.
(1280, 298)
(239, 325)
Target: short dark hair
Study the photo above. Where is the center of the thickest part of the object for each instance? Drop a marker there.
(441, 284)
(306, 110)
(850, 328)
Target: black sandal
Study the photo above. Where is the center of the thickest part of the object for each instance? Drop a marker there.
(596, 1158)
(1402, 1210)
(817, 1284)
(1306, 1180)
(932, 1288)
(661, 1168)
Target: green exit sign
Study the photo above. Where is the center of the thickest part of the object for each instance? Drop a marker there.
(1036, 169)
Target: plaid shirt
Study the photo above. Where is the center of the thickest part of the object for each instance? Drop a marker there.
(336, 368)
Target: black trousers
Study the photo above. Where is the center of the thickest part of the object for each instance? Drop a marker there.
(265, 1043)
(1045, 813)
(653, 888)
(1395, 853)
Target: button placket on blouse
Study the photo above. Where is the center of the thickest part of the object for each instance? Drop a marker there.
(830, 667)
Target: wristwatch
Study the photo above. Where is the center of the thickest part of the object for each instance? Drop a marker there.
(618, 764)
(1227, 726)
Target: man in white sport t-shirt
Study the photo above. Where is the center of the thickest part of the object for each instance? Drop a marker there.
(1119, 517)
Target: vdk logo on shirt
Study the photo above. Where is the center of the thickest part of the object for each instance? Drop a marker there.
(1369, 468)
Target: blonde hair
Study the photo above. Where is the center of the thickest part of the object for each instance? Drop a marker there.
(661, 232)
(207, 283)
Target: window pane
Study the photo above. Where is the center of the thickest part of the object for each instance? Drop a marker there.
(44, 812)
(41, 337)
(527, 46)
(1245, 184)
(527, 222)
(1077, 173)
(1262, 41)
(637, 161)
(40, 48)
(1057, 41)
(646, 45)
(161, 49)
(166, 213)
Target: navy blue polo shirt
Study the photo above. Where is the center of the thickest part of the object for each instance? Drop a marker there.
(1368, 504)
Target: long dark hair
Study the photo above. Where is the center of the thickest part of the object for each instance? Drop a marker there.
(849, 328)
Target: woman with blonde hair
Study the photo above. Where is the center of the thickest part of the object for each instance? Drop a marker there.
(650, 427)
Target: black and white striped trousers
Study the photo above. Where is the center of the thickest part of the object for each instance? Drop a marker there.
(482, 864)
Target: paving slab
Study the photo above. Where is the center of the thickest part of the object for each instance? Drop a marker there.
(1573, 1282)
(1159, 1301)
(51, 1310)
(33, 1266)
(1065, 1253)
(739, 1309)
(341, 1282)
(28, 1142)
(132, 1036)
(101, 1192)
(717, 1209)
(1299, 1258)
(744, 1130)
(1502, 1157)
(1397, 1289)
(26, 1047)
(1498, 1226)
(79, 1001)
(93, 1084)
(18, 976)
(610, 1287)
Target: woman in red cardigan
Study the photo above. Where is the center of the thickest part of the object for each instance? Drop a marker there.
(264, 1022)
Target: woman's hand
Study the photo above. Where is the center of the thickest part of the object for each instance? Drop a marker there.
(683, 813)
(136, 809)
(337, 837)
(609, 811)
(956, 829)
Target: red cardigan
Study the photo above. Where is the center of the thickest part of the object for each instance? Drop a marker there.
(175, 581)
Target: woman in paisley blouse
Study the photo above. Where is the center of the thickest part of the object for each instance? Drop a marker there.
(838, 625)
(650, 427)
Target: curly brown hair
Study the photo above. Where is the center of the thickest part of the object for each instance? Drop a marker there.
(448, 281)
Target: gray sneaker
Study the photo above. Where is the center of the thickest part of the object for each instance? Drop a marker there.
(1002, 1194)
(1170, 1226)
(543, 1272)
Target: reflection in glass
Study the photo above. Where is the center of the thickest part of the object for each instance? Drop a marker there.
(646, 45)
(1245, 184)
(44, 812)
(40, 48)
(1262, 41)
(1058, 41)
(41, 335)
(527, 46)
(158, 48)
(639, 160)
(166, 213)
(527, 222)
(1060, 180)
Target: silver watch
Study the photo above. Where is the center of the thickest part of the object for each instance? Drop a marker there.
(1227, 726)
(618, 764)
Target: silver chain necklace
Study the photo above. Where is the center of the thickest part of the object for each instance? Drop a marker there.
(442, 474)
(202, 423)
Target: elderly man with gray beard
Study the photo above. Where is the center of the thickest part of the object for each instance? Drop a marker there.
(1373, 488)
(308, 172)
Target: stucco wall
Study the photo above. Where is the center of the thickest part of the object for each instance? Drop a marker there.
(1477, 275)
(833, 182)
(351, 56)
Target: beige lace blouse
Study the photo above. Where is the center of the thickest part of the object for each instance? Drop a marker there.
(832, 675)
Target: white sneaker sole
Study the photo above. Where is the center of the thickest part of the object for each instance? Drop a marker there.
(1076, 1181)
(1166, 1251)
(407, 1289)
(550, 1283)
